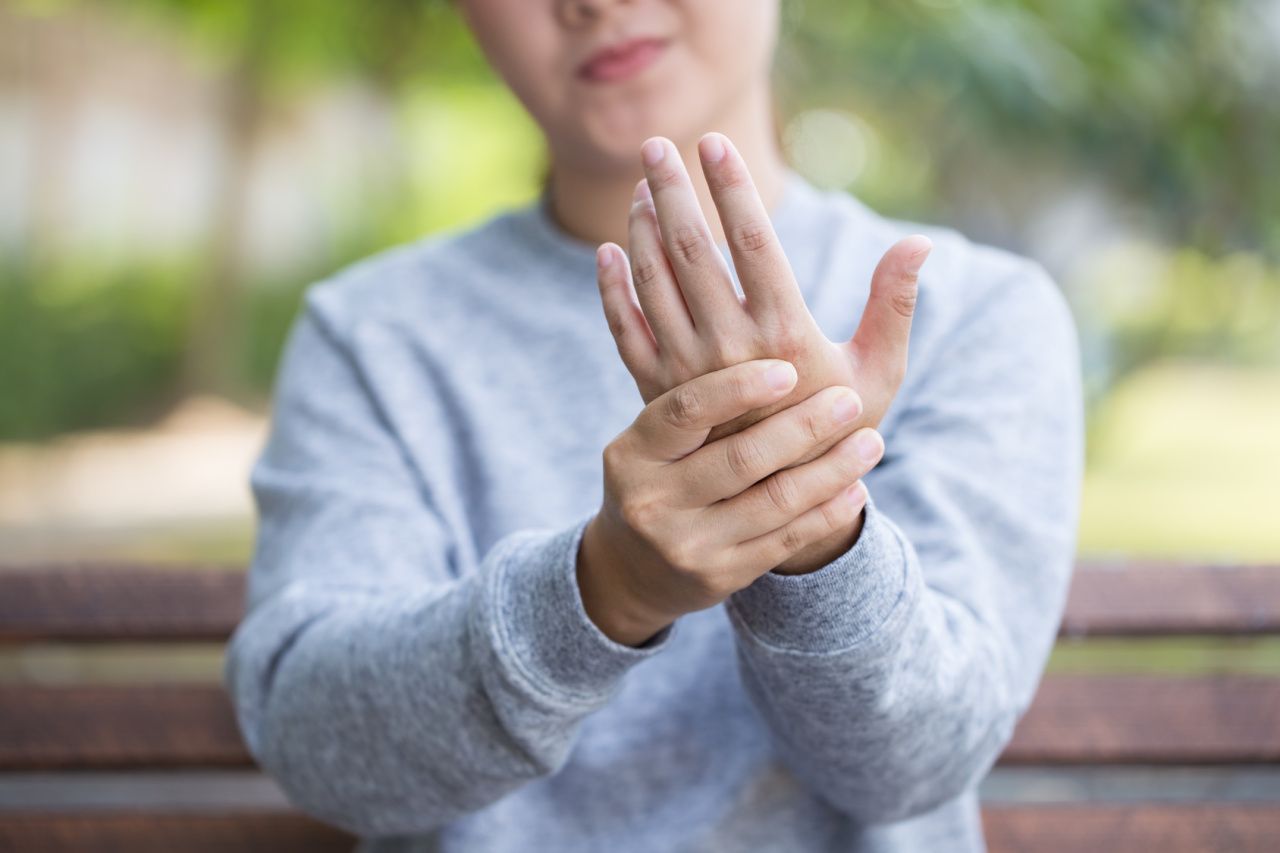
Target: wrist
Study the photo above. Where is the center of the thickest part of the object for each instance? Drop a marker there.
(604, 597)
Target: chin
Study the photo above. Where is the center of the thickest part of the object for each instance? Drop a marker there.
(616, 142)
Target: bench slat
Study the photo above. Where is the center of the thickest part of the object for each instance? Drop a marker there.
(1167, 828)
(1081, 719)
(96, 602)
(1154, 599)
(1045, 829)
(1074, 720)
(118, 726)
(107, 832)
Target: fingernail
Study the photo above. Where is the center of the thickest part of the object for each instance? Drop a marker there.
(653, 151)
(604, 256)
(847, 407)
(712, 148)
(867, 443)
(856, 494)
(923, 246)
(641, 192)
(780, 376)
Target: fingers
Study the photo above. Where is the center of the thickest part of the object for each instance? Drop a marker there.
(883, 333)
(675, 424)
(636, 344)
(763, 553)
(654, 281)
(730, 465)
(786, 495)
(700, 269)
(763, 270)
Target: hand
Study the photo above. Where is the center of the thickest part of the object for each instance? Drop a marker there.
(685, 523)
(674, 313)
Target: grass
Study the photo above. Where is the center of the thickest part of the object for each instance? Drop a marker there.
(1171, 656)
(1185, 464)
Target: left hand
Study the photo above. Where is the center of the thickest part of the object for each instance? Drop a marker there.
(674, 313)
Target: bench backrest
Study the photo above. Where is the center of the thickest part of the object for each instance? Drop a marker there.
(64, 736)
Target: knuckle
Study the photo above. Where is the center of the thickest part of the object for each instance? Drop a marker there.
(613, 456)
(792, 540)
(848, 464)
(705, 587)
(780, 338)
(744, 457)
(705, 580)
(728, 349)
(677, 556)
(617, 325)
(645, 270)
(903, 300)
(638, 512)
(664, 179)
(813, 426)
(782, 493)
(744, 387)
(684, 407)
(689, 244)
(733, 178)
(716, 585)
(751, 236)
(834, 515)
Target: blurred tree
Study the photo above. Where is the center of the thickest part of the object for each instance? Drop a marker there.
(268, 52)
(1173, 102)
(1167, 106)
(1163, 113)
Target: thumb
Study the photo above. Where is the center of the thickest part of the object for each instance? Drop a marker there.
(882, 335)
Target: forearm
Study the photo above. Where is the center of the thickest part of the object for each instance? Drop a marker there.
(394, 711)
(883, 694)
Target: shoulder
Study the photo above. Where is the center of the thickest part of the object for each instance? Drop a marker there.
(426, 279)
(962, 275)
(967, 290)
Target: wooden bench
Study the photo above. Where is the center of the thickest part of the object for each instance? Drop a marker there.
(1102, 761)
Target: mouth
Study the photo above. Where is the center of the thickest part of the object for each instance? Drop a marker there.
(621, 61)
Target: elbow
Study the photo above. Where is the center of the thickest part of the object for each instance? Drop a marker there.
(323, 776)
(908, 783)
(350, 804)
(289, 720)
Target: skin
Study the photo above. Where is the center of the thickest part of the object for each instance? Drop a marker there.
(721, 477)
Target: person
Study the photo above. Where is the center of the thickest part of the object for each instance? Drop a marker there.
(622, 521)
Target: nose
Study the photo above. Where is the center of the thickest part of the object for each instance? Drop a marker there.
(575, 13)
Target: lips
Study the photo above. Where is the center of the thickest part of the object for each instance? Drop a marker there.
(621, 61)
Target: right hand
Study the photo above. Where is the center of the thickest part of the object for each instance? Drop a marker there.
(685, 524)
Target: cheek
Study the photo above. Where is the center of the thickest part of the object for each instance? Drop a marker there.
(731, 38)
(527, 57)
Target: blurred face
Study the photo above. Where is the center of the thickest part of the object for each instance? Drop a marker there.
(600, 76)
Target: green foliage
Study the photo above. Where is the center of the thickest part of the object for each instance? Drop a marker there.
(1168, 104)
(86, 347)
(300, 43)
(1171, 102)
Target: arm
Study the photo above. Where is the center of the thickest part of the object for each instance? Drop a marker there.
(892, 677)
(386, 687)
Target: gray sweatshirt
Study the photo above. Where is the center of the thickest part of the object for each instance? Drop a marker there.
(417, 667)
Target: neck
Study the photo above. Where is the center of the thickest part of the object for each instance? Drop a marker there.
(594, 205)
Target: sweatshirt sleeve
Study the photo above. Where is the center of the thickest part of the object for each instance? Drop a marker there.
(387, 688)
(892, 677)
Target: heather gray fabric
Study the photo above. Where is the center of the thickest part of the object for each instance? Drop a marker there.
(417, 665)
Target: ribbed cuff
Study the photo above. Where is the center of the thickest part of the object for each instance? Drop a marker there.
(836, 606)
(543, 628)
